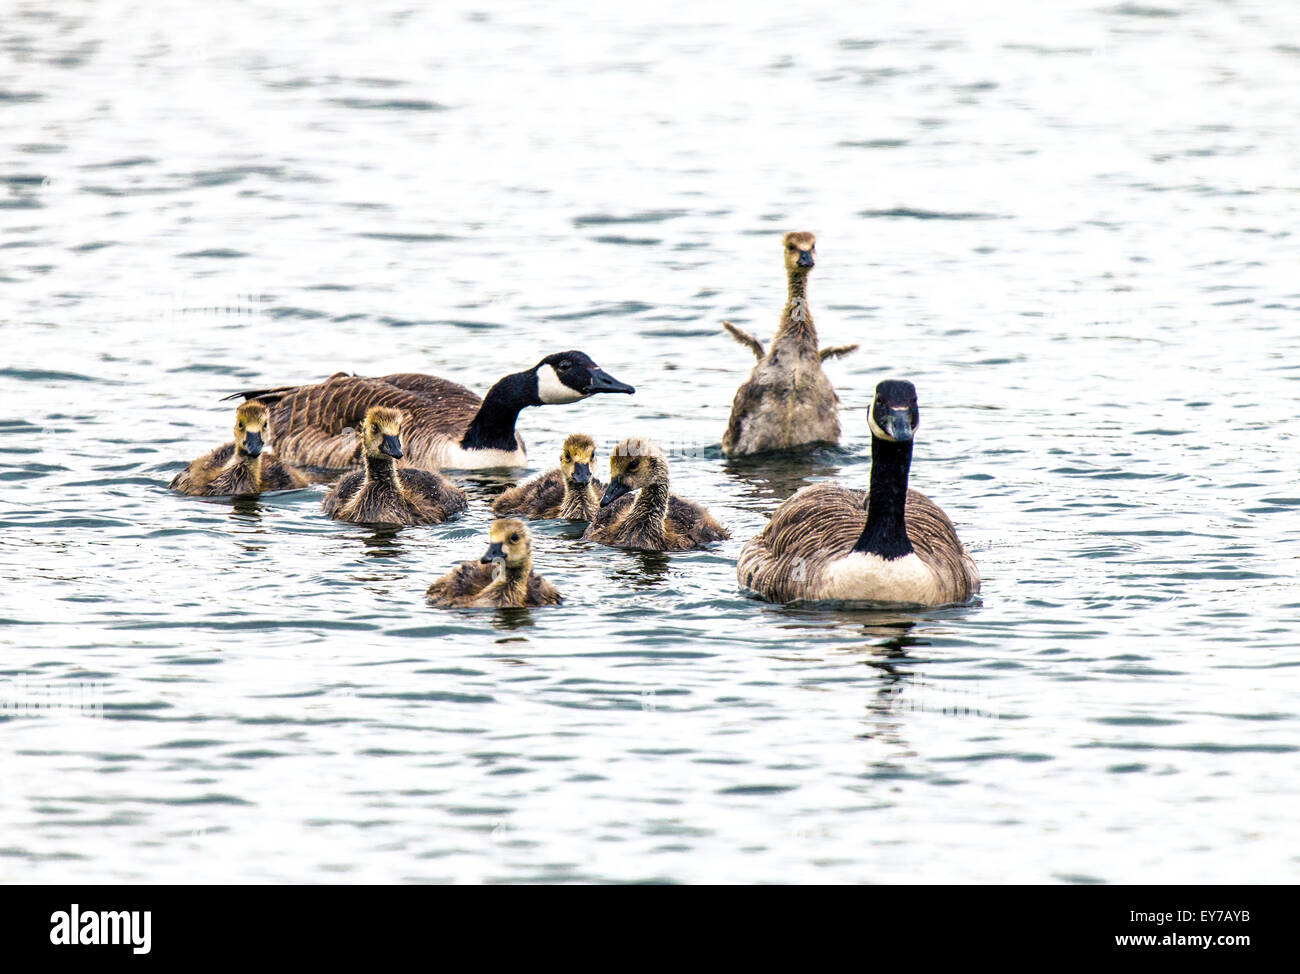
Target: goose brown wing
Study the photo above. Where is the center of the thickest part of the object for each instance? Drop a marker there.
(439, 392)
(542, 592)
(466, 579)
(817, 525)
(279, 476)
(201, 471)
(433, 490)
(935, 541)
(314, 425)
(534, 497)
(343, 492)
(695, 521)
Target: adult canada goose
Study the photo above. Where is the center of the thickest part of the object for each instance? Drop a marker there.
(787, 401)
(446, 424)
(569, 492)
(242, 466)
(654, 519)
(502, 578)
(384, 493)
(889, 545)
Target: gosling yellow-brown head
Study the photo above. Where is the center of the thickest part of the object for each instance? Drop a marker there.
(252, 420)
(635, 463)
(509, 542)
(382, 432)
(800, 251)
(576, 457)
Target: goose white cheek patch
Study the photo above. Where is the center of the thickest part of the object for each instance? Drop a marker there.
(553, 392)
(871, 421)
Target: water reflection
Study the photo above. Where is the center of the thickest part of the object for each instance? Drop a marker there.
(639, 569)
(383, 541)
(512, 619)
(775, 476)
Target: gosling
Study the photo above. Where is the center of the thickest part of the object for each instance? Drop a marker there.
(243, 466)
(382, 492)
(655, 519)
(569, 492)
(502, 578)
(787, 402)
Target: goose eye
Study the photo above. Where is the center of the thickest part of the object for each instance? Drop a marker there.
(565, 365)
(514, 539)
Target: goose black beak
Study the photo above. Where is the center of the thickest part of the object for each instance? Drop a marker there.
(392, 445)
(494, 553)
(806, 259)
(253, 444)
(614, 491)
(582, 473)
(899, 425)
(598, 380)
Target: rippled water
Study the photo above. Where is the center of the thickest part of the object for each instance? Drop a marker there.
(1072, 228)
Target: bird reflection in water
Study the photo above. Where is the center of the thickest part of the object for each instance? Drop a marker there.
(776, 476)
(511, 619)
(383, 542)
(641, 569)
(246, 512)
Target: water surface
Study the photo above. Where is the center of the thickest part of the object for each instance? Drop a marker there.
(1072, 228)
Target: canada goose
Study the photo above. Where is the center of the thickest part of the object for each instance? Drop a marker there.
(891, 545)
(502, 578)
(570, 492)
(787, 401)
(382, 492)
(447, 425)
(242, 466)
(655, 519)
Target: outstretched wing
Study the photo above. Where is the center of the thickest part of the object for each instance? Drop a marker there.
(746, 339)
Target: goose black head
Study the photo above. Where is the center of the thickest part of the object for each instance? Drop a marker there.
(509, 543)
(894, 414)
(381, 432)
(576, 457)
(252, 420)
(800, 251)
(570, 376)
(635, 463)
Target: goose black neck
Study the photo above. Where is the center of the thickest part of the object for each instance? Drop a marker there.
(886, 531)
(493, 426)
(381, 470)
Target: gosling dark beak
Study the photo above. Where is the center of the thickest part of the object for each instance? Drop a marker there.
(392, 445)
(806, 259)
(494, 553)
(253, 444)
(899, 425)
(614, 491)
(598, 380)
(582, 473)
